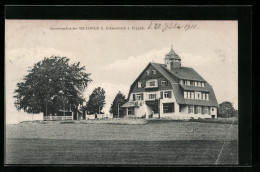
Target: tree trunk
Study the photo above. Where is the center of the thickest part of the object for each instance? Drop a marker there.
(118, 110)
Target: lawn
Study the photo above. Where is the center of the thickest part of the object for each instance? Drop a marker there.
(168, 142)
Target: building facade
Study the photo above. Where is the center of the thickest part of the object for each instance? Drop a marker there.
(171, 91)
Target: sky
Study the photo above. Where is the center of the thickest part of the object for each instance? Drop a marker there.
(116, 52)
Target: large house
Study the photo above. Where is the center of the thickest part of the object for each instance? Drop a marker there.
(171, 91)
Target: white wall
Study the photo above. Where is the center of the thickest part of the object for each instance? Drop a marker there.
(214, 112)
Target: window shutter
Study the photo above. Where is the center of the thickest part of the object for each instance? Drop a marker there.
(134, 97)
(195, 109)
(170, 94)
(161, 94)
(142, 96)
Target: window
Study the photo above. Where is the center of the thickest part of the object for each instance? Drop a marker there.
(192, 95)
(168, 107)
(185, 94)
(148, 72)
(198, 95)
(205, 110)
(138, 97)
(181, 82)
(163, 83)
(152, 96)
(154, 71)
(192, 83)
(167, 94)
(188, 82)
(152, 83)
(139, 84)
(198, 109)
(196, 83)
(203, 84)
(130, 111)
(206, 96)
(191, 109)
(199, 84)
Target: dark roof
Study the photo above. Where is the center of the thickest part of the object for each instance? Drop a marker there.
(193, 88)
(197, 102)
(172, 55)
(168, 76)
(178, 94)
(182, 73)
(213, 100)
(185, 73)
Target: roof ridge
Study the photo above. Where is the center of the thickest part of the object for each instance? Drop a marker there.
(156, 63)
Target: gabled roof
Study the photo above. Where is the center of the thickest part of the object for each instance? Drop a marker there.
(158, 67)
(185, 73)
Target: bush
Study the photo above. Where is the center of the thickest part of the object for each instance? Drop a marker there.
(226, 110)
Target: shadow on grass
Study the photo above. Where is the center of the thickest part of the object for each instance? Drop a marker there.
(56, 151)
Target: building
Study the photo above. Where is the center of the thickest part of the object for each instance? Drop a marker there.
(171, 91)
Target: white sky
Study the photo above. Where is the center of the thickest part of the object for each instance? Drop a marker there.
(116, 57)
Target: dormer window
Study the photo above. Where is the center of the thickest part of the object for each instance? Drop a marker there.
(148, 72)
(203, 84)
(154, 71)
(199, 84)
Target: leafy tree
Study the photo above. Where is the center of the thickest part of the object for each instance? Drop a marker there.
(96, 101)
(226, 110)
(51, 85)
(119, 100)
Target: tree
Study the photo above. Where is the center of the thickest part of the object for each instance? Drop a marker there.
(119, 100)
(226, 110)
(51, 85)
(96, 101)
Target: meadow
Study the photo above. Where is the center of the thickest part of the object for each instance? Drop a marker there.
(122, 142)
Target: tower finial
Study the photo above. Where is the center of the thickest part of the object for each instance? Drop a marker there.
(171, 46)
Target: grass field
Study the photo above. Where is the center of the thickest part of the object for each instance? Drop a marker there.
(165, 142)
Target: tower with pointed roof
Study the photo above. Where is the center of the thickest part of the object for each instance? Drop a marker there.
(172, 60)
